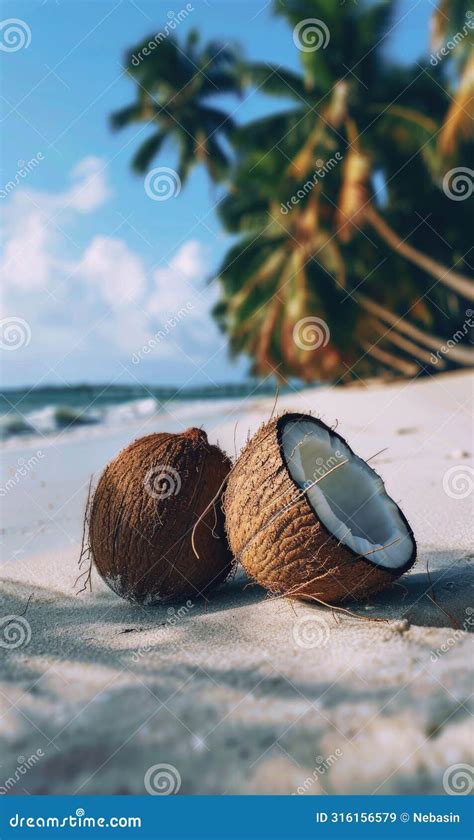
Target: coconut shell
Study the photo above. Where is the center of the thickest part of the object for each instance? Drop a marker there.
(276, 535)
(143, 512)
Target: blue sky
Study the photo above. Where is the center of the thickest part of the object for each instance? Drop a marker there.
(91, 263)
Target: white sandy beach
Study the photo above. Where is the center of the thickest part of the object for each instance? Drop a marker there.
(101, 690)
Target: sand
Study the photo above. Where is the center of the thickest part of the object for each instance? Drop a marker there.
(246, 694)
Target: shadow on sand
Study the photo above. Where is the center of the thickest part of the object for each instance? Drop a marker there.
(107, 689)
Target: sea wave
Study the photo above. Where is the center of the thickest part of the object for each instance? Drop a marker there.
(51, 419)
(52, 410)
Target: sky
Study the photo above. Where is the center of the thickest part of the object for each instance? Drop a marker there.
(92, 267)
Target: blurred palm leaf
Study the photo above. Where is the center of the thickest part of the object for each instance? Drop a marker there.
(174, 88)
(459, 122)
(452, 33)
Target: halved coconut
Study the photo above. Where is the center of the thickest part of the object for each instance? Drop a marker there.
(310, 519)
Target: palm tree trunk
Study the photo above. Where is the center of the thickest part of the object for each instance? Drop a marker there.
(461, 355)
(389, 360)
(459, 283)
(407, 345)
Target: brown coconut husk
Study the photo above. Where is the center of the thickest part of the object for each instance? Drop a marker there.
(140, 541)
(277, 536)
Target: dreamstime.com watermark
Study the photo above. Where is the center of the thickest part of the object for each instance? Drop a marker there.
(458, 183)
(458, 336)
(173, 21)
(24, 765)
(323, 168)
(77, 820)
(311, 333)
(15, 632)
(311, 631)
(24, 466)
(322, 767)
(458, 780)
(311, 34)
(15, 333)
(24, 169)
(453, 42)
(323, 467)
(173, 618)
(162, 481)
(162, 780)
(455, 636)
(162, 333)
(162, 183)
(15, 35)
(458, 481)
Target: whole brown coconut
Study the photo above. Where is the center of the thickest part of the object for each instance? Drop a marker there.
(310, 519)
(145, 507)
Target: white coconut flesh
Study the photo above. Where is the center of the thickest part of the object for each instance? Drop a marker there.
(350, 501)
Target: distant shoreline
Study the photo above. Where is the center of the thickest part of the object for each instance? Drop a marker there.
(181, 392)
(28, 414)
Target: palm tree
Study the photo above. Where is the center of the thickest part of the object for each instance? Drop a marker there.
(357, 107)
(174, 88)
(288, 266)
(283, 268)
(314, 259)
(333, 274)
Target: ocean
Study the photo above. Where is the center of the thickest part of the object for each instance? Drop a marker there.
(49, 410)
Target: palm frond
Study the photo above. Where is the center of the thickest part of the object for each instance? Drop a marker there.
(275, 80)
(459, 122)
(125, 116)
(147, 151)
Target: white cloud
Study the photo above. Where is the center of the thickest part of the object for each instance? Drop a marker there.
(33, 225)
(91, 189)
(125, 331)
(27, 261)
(182, 284)
(190, 261)
(181, 281)
(101, 300)
(116, 272)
